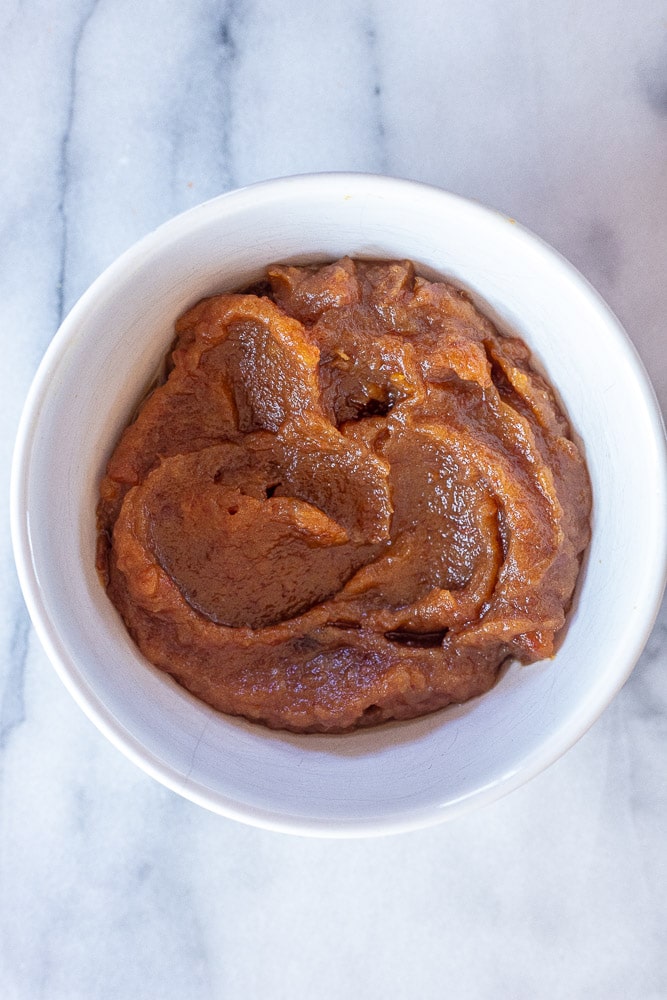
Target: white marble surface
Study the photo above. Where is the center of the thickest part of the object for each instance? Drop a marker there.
(116, 115)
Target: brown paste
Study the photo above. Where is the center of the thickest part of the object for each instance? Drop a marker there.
(351, 500)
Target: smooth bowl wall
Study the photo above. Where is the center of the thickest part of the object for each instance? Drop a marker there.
(401, 775)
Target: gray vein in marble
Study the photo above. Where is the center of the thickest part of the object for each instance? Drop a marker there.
(204, 120)
(656, 94)
(603, 251)
(380, 144)
(64, 161)
(653, 78)
(226, 54)
(643, 684)
(12, 704)
(228, 29)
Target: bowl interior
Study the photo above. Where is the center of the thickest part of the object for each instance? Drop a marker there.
(399, 775)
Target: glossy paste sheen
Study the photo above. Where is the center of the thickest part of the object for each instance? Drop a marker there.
(350, 500)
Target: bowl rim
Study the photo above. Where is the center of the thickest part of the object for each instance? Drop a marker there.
(565, 736)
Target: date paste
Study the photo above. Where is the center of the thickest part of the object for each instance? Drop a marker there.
(352, 499)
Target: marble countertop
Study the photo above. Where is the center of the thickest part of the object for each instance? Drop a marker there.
(114, 117)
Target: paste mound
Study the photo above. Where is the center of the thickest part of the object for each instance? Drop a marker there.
(351, 500)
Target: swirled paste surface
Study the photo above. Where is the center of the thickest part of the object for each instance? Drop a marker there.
(351, 500)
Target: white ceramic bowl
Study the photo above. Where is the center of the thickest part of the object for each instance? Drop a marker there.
(399, 776)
